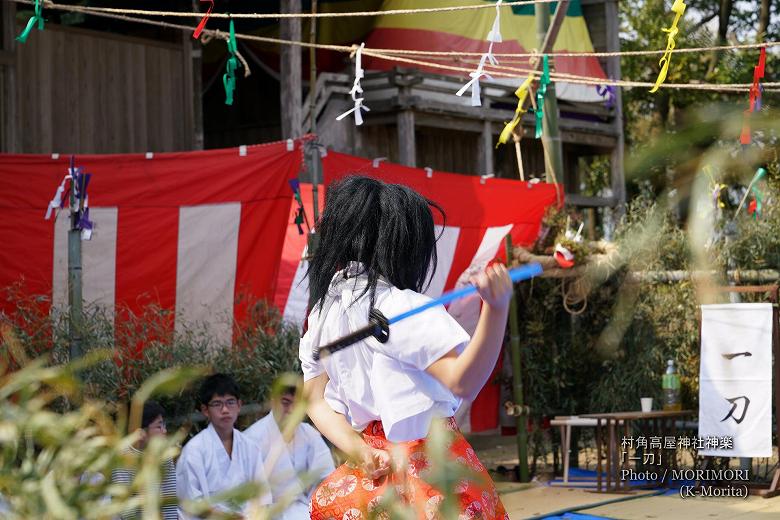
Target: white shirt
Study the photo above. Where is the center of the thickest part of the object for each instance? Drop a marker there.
(205, 468)
(306, 454)
(383, 381)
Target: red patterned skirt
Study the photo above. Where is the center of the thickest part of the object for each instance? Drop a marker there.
(347, 495)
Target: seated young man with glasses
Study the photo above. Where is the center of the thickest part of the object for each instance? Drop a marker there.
(220, 457)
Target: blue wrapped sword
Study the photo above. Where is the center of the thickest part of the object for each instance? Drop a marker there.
(379, 325)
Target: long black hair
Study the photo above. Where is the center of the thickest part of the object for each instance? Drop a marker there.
(388, 228)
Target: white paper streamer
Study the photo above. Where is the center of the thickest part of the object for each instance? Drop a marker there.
(494, 36)
(357, 89)
(56, 202)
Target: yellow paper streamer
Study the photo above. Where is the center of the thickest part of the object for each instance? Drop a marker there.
(521, 93)
(678, 8)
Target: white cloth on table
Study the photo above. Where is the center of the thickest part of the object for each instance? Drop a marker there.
(735, 381)
(383, 381)
(205, 468)
(307, 453)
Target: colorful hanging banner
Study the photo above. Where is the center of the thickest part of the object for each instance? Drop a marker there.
(229, 78)
(540, 93)
(36, 18)
(202, 24)
(521, 93)
(678, 8)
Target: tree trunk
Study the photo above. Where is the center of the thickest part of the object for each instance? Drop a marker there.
(726, 6)
(724, 16)
(763, 19)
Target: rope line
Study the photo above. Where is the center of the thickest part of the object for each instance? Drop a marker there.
(102, 11)
(392, 55)
(262, 16)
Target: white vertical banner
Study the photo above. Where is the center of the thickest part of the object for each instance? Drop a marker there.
(206, 267)
(735, 379)
(98, 260)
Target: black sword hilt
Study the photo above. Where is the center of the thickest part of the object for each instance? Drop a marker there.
(378, 327)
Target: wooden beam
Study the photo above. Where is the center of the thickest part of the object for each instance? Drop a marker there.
(9, 121)
(617, 175)
(290, 72)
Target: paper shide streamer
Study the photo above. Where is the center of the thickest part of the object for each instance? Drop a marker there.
(357, 90)
(756, 91)
(521, 93)
(229, 78)
(494, 36)
(300, 214)
(202, 24)
(541, 92)
(608, 93)
(79, 182)
(678, 8)
(36, 18)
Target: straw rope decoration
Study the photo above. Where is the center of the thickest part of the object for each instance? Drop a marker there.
(395, 55)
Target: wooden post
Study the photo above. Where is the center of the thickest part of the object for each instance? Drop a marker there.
(75, 274)
(485, 164)
(290, 72)
(9, 137)
(192, 108)
(613, 71)
(406, 143)
(517, 380)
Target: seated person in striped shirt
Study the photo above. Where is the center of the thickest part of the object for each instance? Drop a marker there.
(220, 458)
(286, 458)
(152, 424)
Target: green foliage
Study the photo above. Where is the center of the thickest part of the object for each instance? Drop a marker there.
(755, 242)
(144, 344)
(668, 111)
(57, 464)
(615, 351)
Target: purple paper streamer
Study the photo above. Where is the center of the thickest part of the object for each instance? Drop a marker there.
(607, 91)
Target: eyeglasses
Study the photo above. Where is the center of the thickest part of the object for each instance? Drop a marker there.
(157, 426)
(217, 405)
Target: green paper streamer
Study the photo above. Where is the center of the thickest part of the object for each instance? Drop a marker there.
(37, 17)
(229, 79)
(760, 174)
(540, 93)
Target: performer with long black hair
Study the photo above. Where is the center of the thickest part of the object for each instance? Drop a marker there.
(377, 250)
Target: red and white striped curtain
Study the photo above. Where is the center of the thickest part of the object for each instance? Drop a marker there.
(199, 231)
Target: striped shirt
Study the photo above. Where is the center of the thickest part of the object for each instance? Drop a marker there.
(167, 488)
